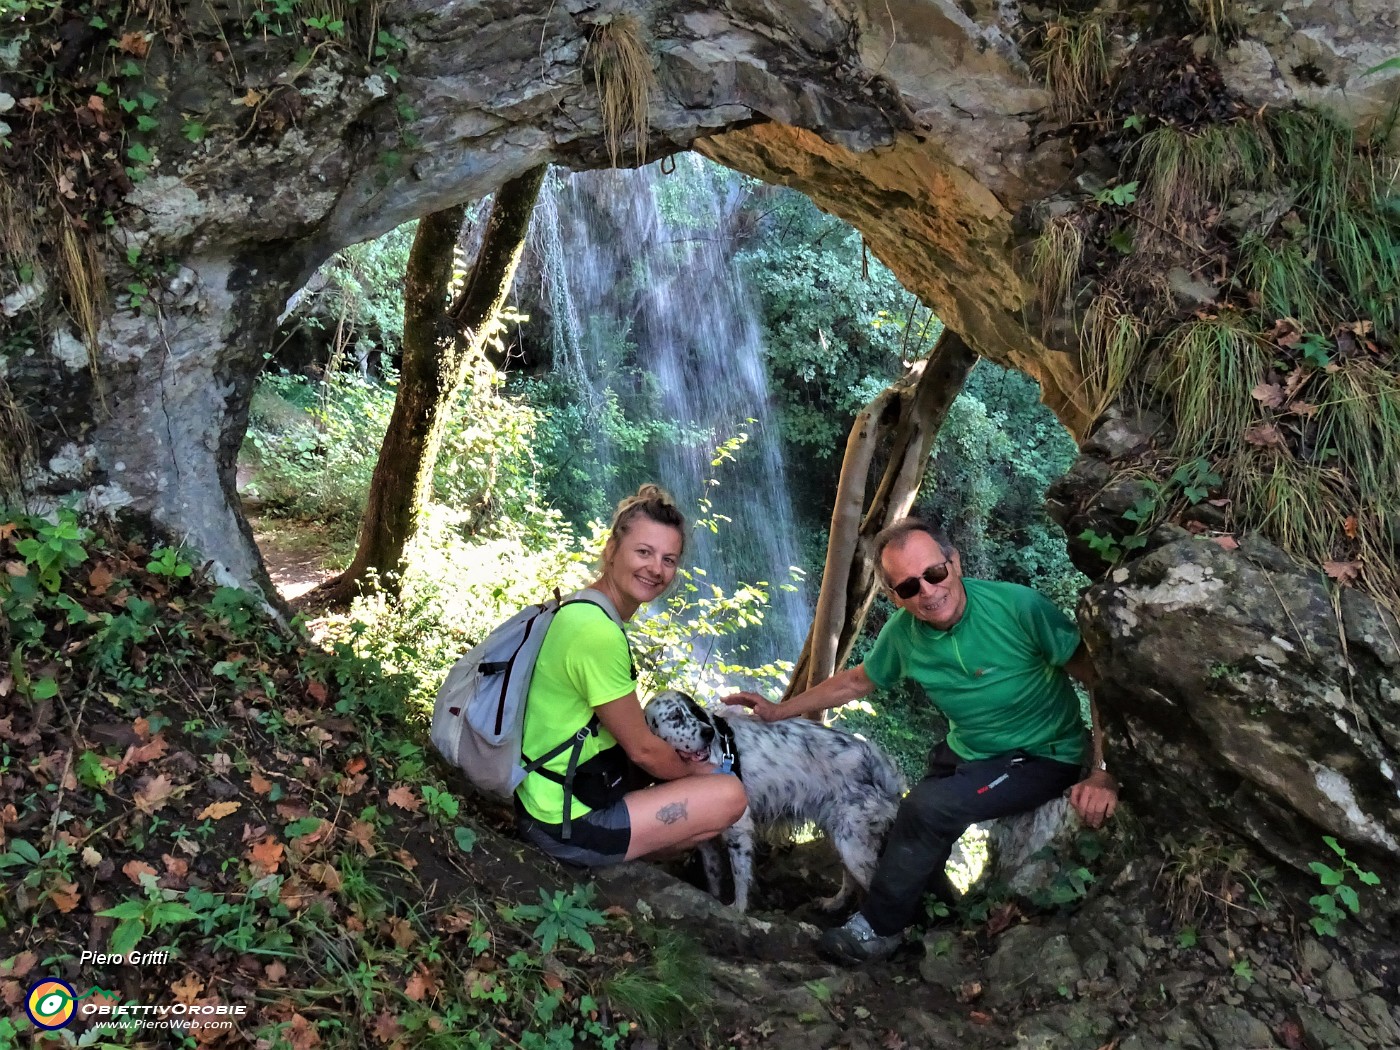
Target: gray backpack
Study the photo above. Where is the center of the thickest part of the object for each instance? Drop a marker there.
(479, 713)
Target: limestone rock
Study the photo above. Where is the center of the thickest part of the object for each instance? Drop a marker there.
(1253, 705)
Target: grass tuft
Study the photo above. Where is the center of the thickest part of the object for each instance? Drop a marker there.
(1111, 347)
(16, 444)
(666, 992)
(1073, 62)
(1217, 16)
(1055, 260)
(1188, 171)
(623, 69)
(1210, 367)
(85, 289)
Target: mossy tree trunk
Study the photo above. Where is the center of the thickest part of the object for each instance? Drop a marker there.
(438, 341)
(905, 418)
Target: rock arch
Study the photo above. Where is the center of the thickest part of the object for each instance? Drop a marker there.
(916, 120)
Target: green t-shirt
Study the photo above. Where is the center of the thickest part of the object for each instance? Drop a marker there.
(998, 675)
(583, 663)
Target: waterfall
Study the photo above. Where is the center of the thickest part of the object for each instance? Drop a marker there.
(648, 308)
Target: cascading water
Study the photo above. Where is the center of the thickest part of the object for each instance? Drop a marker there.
(647, 307)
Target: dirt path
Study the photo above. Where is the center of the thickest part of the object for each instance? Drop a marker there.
(298, 556)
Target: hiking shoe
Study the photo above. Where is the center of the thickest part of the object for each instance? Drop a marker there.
(856, 942)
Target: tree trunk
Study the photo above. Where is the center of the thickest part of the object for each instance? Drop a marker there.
(909, 414)
(438, 342)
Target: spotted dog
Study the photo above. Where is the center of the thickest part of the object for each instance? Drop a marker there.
(794, 772)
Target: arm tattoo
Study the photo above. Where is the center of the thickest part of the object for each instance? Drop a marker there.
(671, 813)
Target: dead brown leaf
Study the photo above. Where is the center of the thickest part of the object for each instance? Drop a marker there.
(421, 985)
(386, 1027)
(1344, 572)
(187, 988)
(1265, 435)
(1228, 543)
(65, 895)
(1351, 527)
(362, 834)
(101, 576)
(152, 793)
(275, 971)
(217, 810)
(174, 866)
(266, 854)
(134, 869)
(1270, 395)
(260, 784)
(135, 43)
(403, 797)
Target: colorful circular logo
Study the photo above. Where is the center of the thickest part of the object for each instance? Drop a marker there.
(51, 1003)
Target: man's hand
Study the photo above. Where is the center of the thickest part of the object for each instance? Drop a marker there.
(763, 709)
(1095, 798)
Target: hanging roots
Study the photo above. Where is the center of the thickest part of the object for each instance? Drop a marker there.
(622, 68)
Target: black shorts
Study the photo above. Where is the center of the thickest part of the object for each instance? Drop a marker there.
(596, 839)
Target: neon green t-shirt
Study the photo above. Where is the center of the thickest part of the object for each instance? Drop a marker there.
(583, 663)
(998, 674)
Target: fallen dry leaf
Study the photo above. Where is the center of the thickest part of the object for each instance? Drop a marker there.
(275, 971)
(1344, 572)
(134, 869)
(386, 1027)
(266, 854)
(152, 793)
(355, 765)
(187, 988)
(65, 895)
(1265, 435)
(135, 43)
(147, 752)
(217, 810)
(260, 784)
(101, 576)
(420, 986)
(317, 691)
(91, 858)
(175, 866)
(403, 797)
(1228, 543)
(401, 932)
(1351, 527)
(362, 834)
(1270, 395)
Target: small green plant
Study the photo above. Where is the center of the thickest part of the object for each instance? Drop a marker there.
(1244, 971)
(138, 917)
(166, 561)
(1338, 894)
(1120, 196)
(1186, 937)
(440, 804)
(54, 547)
(562, 916)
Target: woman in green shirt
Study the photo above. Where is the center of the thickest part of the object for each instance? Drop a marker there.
(585, 670)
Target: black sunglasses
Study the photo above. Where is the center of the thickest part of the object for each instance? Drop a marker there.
(906, 589)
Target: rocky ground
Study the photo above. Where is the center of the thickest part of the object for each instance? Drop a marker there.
(175, 773)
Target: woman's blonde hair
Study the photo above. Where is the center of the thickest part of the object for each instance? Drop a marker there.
(651, 502)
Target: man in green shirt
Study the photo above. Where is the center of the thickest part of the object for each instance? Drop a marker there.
(995, 658)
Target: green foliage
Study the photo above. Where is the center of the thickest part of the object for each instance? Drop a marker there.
(562, 917)
(357, 295)
(836, 325)
(1118, 196)
(1073, 61)
(665, 989)
(313, 448)
(1338, 896)
(55, 547)
(986, 481)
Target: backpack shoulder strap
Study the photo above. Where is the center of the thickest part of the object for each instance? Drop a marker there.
(591, 596)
